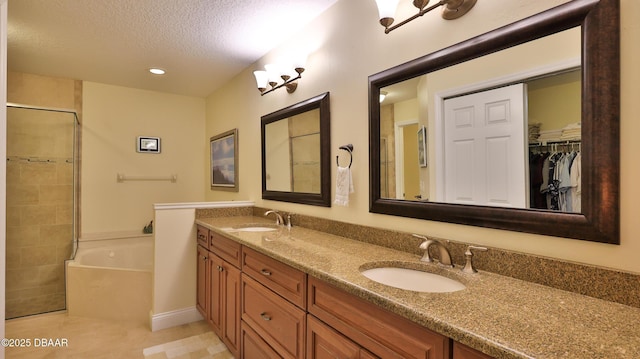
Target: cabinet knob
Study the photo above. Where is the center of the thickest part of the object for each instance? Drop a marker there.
(265, 317)
(220, 269)
(265, 272)
(204, 258)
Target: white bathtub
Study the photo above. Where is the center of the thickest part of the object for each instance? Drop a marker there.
(111, 279)
(127, 254)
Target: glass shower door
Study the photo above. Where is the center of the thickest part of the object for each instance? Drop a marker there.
(40, 208)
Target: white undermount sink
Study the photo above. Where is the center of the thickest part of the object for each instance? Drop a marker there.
(253, 227)
(412, 279)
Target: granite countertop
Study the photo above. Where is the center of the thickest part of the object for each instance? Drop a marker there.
(498, 315)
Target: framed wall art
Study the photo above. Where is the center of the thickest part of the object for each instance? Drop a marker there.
(148, 144)
(422, 146)
(224, 161)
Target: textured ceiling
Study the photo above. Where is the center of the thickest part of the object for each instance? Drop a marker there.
(201, 43)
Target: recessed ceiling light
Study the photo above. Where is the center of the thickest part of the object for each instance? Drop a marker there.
(156, 71)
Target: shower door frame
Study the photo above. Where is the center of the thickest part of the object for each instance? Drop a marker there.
(75, 165)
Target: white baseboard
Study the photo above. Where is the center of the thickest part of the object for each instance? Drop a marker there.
(174, 318)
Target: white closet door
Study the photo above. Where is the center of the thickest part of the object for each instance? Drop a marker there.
(485, 156)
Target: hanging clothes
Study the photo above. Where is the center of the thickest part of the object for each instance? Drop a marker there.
(576, 183)
(554, 177)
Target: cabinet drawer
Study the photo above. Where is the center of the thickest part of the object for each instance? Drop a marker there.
(280, 323)
(381, 332)
(324, 342)
(279, 277)
(203, 236)
(461, 351)
(254, 347)
(225, 248)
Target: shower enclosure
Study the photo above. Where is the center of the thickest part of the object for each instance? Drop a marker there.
(41, 207)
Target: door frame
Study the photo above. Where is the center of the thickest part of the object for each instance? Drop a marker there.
(399, 154)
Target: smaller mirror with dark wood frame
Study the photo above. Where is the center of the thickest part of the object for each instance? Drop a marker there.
(296, 149)
(596, 73)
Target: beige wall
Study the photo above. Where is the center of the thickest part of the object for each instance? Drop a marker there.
(35, 90)
(349, 46)
(113, 119)
(555, 102)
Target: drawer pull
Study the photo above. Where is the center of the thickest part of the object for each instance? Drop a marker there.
(265, 317)
(204, 258)
(265, 272)
(201, 236)
(220, 269)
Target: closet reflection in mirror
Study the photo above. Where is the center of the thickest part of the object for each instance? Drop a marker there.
(292, 148)
(502, 130)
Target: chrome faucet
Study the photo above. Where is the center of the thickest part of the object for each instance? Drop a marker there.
(444, 257)
(288, 224)
(279, 219)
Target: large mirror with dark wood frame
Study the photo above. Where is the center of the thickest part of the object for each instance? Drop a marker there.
(295, 153)
(515, 129)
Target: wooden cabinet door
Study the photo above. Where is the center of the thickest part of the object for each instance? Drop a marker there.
(202, 296)
(323, 342)
(461, 351)
(215, 294)
(231, 304)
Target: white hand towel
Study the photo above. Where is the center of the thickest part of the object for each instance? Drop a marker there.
(344, 186)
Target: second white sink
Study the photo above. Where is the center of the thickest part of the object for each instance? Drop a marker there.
(252, 227)
(255, 229)
(411, 279)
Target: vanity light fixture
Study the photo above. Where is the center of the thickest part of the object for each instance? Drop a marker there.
(277, 76)
(453, 9)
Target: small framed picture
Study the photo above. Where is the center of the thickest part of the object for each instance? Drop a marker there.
(422, 146)
(224, 161)
(148, 144)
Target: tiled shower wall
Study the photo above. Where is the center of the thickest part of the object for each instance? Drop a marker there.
(39, 209)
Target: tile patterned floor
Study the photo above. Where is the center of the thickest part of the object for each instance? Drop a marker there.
(98, 339)
(203, 346)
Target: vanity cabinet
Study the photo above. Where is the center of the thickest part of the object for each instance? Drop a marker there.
(202, 275)
(224, 313)
(273, 305)
(384, 334)
(218, 289)
(263, 308)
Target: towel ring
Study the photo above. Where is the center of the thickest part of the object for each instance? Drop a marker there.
(348, 148)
